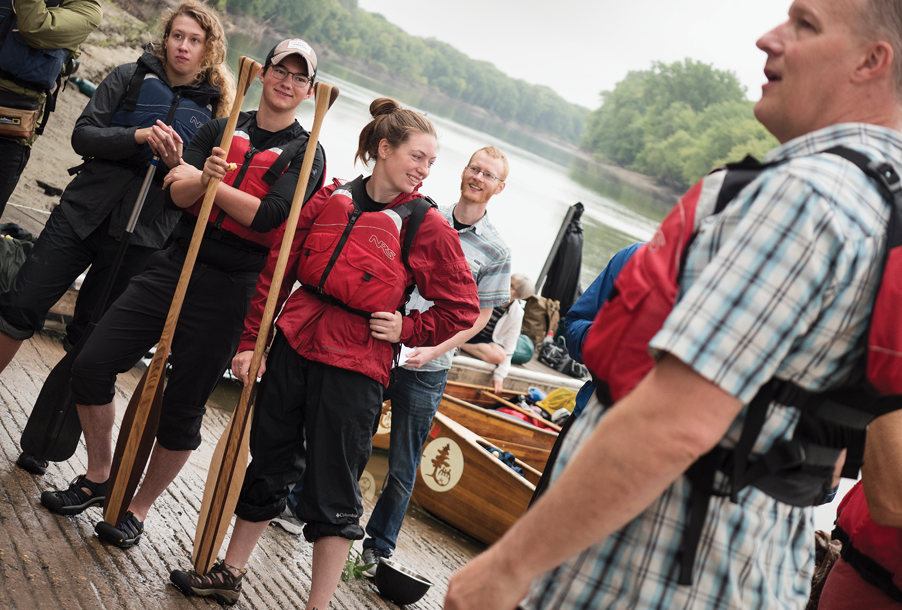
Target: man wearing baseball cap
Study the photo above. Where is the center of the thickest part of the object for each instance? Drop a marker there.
(252, 203)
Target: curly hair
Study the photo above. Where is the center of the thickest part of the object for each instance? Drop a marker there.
(391, 123)
(213, 68)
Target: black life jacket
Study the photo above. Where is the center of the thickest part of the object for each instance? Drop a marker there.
(187, 108)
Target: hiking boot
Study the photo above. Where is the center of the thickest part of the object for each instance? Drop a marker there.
(126, 534)
(371, 558)
(289, 522)
(32, 464)
(219, 583)
(74, 500)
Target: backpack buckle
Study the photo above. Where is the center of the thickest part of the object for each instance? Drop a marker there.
(888, 176)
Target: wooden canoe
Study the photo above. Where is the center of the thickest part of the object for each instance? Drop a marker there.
(473, 394)
(463, 484)
(527, 442)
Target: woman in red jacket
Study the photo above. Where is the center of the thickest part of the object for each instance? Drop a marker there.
(334, 345)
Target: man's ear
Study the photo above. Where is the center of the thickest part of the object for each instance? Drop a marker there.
(500, 187)
(877, 60)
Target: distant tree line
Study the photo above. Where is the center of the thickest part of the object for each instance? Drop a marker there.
(676, 122)
(349, 30)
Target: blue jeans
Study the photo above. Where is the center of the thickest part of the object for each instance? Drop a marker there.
(415, 397)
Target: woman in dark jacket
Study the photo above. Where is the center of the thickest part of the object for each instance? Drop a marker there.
(121, 128)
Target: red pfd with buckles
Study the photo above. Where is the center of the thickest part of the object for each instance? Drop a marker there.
(251, 169)
(367, 274)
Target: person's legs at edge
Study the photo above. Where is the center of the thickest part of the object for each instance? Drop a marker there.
(487, 352)
(57, 258)
(415, 399)
(13, 158)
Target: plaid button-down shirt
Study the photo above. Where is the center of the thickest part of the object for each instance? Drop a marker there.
(490, 260)
(780, 284)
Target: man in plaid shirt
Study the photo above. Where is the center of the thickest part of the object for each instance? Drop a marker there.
(781, 284)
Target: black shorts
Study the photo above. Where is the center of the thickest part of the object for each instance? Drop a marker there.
(205, 340)
(337, 410)
(58, 258)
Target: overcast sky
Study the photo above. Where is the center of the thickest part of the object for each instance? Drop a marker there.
(583, 47)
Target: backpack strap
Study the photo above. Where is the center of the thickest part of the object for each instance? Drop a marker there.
(134, 87)
(281, 164)
(418, 210)
(842, 409)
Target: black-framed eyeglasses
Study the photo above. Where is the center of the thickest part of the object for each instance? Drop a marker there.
(476, 170)
(299, 80)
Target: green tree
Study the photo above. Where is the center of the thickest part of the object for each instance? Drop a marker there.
(676, 122)
(340, 25)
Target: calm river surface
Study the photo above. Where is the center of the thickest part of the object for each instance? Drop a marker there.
(529, 211)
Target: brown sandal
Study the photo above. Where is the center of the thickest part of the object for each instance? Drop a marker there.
(218, 583)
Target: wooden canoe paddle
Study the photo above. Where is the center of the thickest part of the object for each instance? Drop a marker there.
(138, 433)
(229, 463)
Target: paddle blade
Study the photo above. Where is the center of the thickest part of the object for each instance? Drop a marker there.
(53, 427)
(248, 69)
(224, 481)
(114, 510)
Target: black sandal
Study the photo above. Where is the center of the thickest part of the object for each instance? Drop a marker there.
(125, 534)
(74, 500)
(32, 464)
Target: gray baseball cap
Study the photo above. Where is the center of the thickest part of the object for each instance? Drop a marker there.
(293, 46)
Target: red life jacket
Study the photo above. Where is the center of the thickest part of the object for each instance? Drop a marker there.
(257, 171)
(797, 471)
(356, 260)
(875, 551)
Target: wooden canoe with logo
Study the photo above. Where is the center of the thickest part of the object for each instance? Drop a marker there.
(463, 484)
(527, 442)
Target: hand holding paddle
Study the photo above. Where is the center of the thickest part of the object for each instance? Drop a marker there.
(136, 435)
(229, 463)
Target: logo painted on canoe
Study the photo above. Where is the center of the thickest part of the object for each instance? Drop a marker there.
(442, 464)
(367, 485)
(385, 422)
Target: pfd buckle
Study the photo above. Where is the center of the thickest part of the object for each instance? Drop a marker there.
(785, 455)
